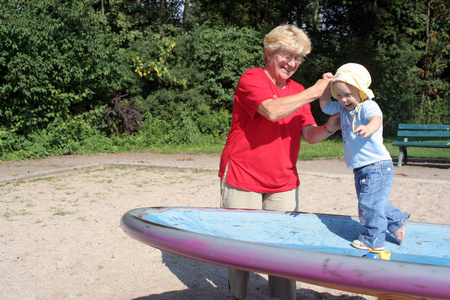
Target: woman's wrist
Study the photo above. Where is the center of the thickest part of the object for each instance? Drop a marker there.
(327, 130)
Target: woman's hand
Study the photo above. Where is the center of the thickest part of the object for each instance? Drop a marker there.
(328, 76)
(334, 123)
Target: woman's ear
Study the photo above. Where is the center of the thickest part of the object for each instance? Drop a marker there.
(268, 55)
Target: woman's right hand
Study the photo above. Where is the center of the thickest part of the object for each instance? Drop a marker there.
(324, 85)
(321, 86)
(328, 76)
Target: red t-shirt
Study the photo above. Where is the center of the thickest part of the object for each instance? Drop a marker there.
(262, 154)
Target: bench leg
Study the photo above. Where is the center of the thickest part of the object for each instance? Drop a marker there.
(401, 152)
(400, 157)
(405, 155)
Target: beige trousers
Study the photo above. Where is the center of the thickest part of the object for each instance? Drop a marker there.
(232, 197)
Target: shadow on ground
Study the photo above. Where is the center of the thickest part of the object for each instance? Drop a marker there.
(213, 283)
(436, 163)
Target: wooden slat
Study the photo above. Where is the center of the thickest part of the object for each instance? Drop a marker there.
(424, 127)
(427, 134)
(421, 144)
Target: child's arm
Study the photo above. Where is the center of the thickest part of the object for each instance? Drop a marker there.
(326, 96)
(367, 130)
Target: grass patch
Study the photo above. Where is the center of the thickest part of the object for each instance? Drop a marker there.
(418, 152)
(60, 212)
(330, 148)
(48, 178)
(9, 214)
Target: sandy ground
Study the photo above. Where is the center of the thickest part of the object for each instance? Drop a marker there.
(60, 235)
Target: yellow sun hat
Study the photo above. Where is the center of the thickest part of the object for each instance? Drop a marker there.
(357, 76)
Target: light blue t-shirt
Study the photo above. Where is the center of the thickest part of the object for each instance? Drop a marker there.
(359, 152)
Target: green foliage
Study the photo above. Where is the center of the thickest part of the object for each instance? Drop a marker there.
(435, 72)
(408, 61)
(397, 92)
(64, 66)
(214, 123)
(135, 17)
(61, 137)
(179, 130)
(56, 62)
(189, 80)
(408, 72)
(153, 65)
(123, 116)
(221, 55)
(255, 14)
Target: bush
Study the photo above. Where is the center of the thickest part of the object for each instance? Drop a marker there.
(57, 60)
(123, 116)
(61, 137)
(190, 80)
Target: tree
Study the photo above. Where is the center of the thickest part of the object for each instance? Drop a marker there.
(56, 61)
(186, 13)
(408, 60)
(435, 69)
(240, 13)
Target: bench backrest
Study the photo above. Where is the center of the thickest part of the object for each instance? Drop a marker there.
(423, 130)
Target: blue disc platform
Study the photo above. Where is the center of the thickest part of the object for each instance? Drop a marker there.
(313, 248)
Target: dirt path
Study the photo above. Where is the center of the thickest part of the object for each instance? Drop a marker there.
(60, 236)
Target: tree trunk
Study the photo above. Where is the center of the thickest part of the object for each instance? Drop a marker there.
(426, 68)
(161, 11)
(186, 12)
(316, 21)
(258, 12)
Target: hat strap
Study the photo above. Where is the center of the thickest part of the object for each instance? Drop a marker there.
(357, 109)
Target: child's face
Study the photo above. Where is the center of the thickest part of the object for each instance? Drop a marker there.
(347, 95)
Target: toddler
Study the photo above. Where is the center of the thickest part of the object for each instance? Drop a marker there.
(364, 152)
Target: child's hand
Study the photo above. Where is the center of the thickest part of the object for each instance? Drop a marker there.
(367, 130)
(363, 130)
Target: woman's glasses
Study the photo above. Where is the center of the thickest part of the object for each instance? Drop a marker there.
(288, 58)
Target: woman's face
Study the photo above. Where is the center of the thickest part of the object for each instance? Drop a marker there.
(282, 65)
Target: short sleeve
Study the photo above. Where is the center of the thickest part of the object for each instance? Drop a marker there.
(332, 108)
(253, 88)
(370, 109)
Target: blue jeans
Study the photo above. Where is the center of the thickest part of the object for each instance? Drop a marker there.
(373, 185)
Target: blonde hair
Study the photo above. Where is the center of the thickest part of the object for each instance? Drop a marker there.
(289, 38)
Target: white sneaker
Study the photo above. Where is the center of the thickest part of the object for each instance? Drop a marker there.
(360, 245)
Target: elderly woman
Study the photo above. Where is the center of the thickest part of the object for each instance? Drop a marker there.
(271, 113)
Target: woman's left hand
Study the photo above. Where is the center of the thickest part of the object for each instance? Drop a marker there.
(334, 122)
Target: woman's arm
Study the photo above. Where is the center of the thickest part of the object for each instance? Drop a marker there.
(315, 134)
(275, 109)
(326, 96)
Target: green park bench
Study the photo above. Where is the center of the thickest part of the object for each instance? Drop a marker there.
(417, 132)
